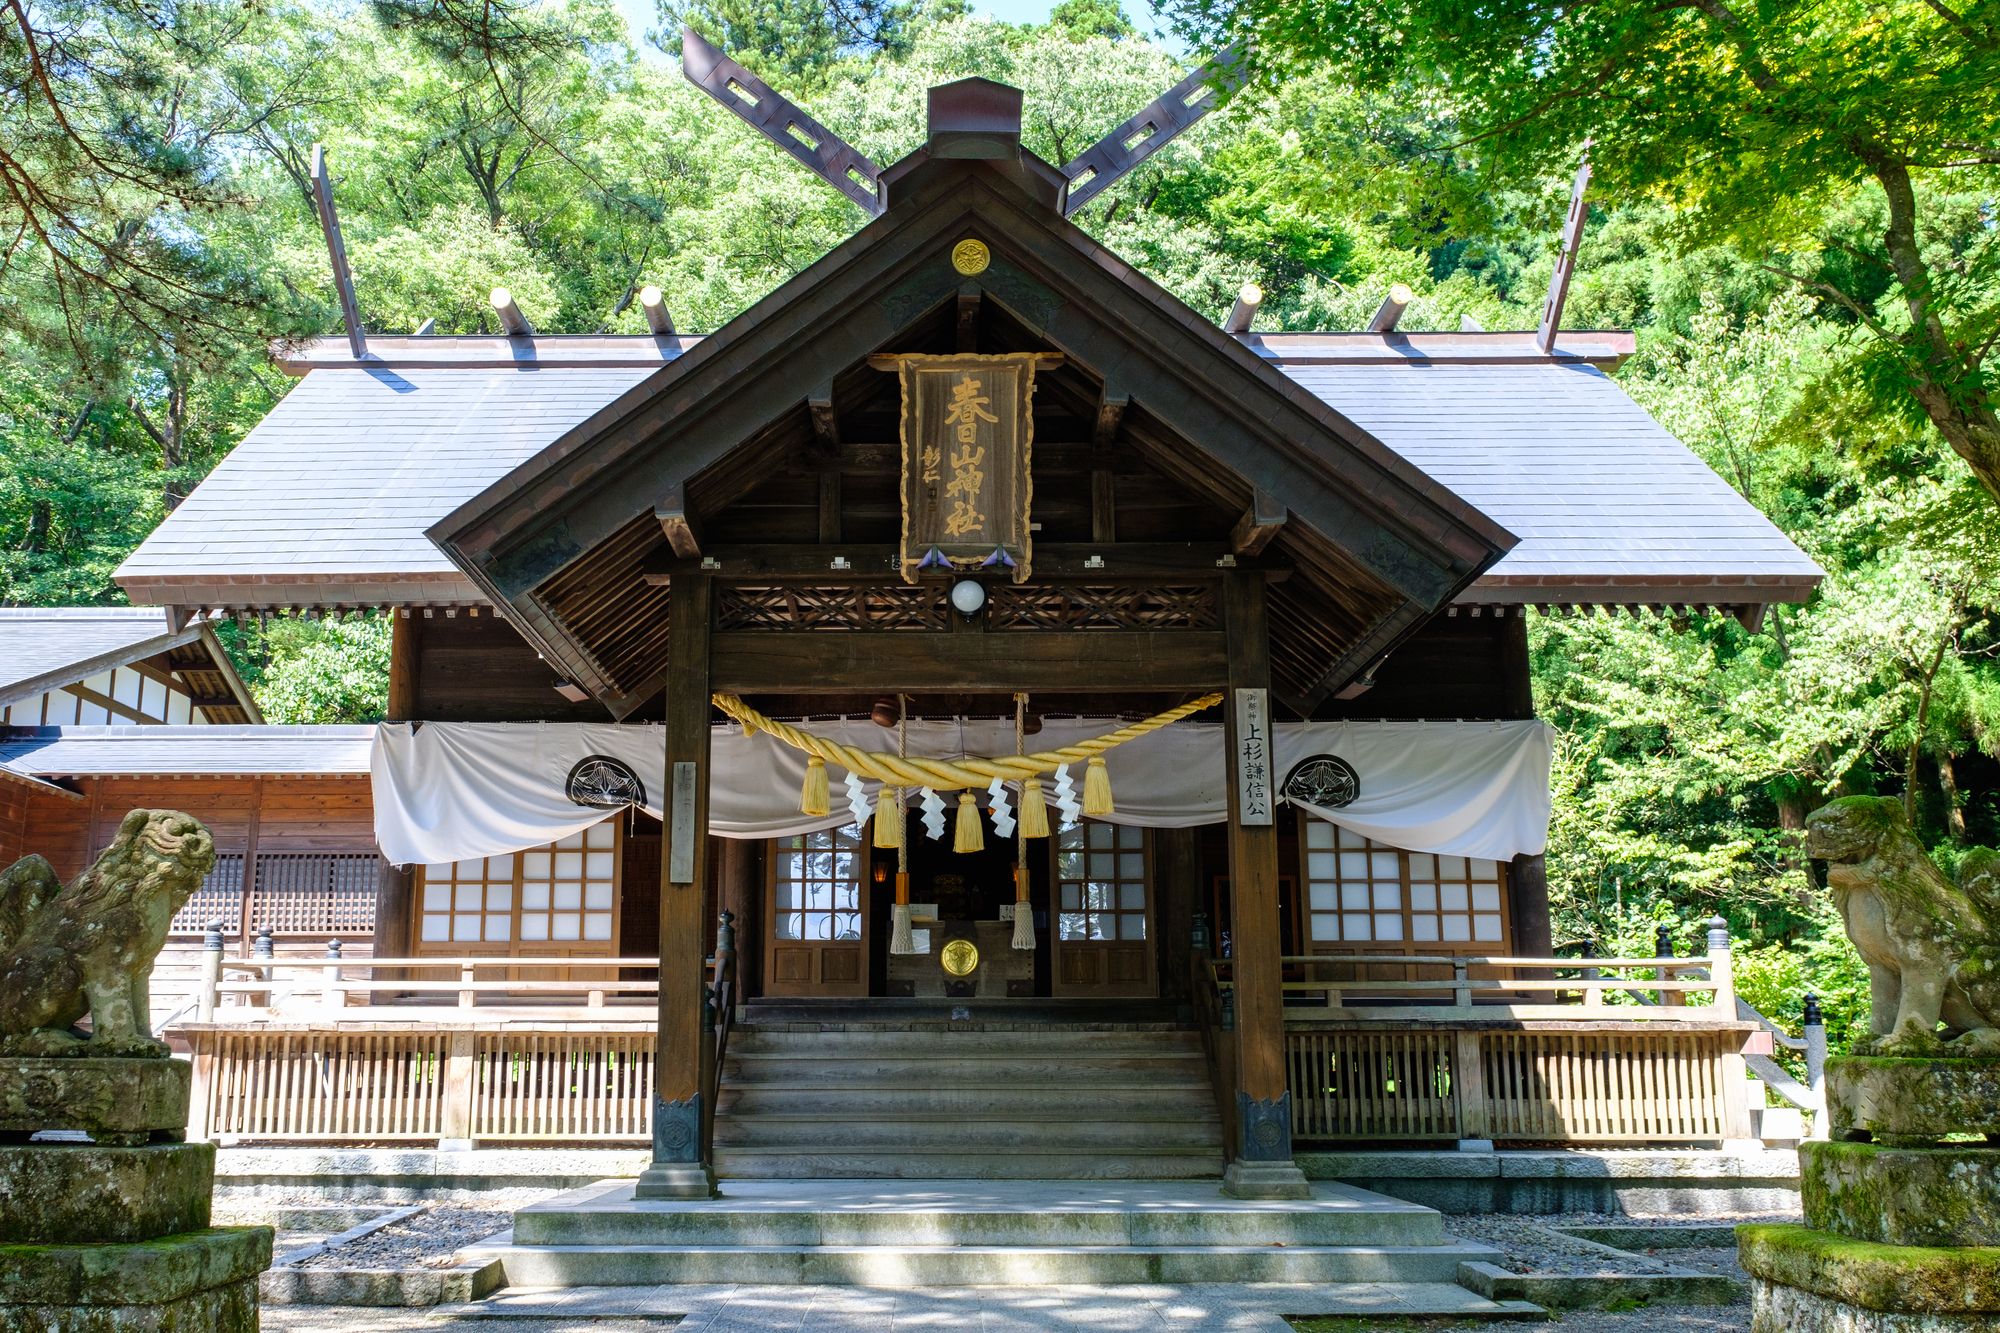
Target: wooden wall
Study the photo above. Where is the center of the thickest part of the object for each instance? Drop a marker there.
(477, 669)
(13, 822)
(1456, 666)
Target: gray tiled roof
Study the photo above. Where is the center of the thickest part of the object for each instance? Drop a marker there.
(327, 499)
(1598, 492)
(44, 647)
(333, 490)
(81, 752)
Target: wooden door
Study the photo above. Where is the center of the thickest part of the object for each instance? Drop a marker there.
(1104, 913)
(816, 932)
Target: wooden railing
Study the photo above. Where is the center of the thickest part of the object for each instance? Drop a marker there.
(285, 1050)
(1477, 1048)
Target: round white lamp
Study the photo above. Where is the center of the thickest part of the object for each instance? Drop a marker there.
(968, 595)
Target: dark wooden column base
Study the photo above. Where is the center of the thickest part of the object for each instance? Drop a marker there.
(677, 1171)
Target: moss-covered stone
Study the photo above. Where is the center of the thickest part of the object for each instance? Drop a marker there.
(1912, 1100)
(228, 1309)
(110, 1099)
(1903, 1196)
(68, 1194)
(1780, 1309)
(152, 1272)
(1908, 1278)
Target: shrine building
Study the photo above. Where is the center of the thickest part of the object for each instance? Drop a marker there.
(970, 714)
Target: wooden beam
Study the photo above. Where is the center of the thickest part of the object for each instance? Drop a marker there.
(1111, 405)
(1244, 313)
(865, 562)
(1390, 312)
(405, 652)
(336, 253)
(1259, 524)
(774, 661)
(1105, 162)
(825, 423)
(831, 506)
(685, 1050)
(509, 313)
(672, 512)
(968, 318)
(653, 304)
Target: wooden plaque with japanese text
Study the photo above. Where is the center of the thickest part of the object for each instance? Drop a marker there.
(967, 442)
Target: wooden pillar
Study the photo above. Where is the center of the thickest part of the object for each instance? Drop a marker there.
(1528, 905)
(1176, 887)
(684, 1051)
(395, 886)
(1261, 1165)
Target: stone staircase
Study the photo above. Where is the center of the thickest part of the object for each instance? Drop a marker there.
(995, 1100)
(908, 1234)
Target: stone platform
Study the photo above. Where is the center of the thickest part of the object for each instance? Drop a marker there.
(81, 1194)
(202, 1280)
(115, 1101)
(973, 1233)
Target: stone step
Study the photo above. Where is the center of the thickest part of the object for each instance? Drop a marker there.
(970, 1265)
(803, 1164)
(1027, 1042)
(1010, 1101)
(953, 1070)
(926, 1134)
(956, 1214)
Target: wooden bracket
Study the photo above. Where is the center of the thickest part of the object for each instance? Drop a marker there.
(678, 525)
(826, 426)
(1098, 167)
(1259, 524)
(1111, 405)
(819, 149)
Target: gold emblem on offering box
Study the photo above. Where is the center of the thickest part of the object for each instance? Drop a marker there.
(959, 958)
(970, 256)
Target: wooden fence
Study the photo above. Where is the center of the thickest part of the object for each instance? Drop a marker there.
(1542, 1082)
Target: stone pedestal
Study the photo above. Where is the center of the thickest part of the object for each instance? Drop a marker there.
(113, 1236)
(1901, 1235)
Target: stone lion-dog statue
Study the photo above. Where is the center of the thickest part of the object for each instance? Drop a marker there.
(1932, 947)
(89, 948)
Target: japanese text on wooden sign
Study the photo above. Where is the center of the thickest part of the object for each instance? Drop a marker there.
(1255, 799)
(967, 448)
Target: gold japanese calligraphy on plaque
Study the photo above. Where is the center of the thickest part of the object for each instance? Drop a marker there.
(968, 434)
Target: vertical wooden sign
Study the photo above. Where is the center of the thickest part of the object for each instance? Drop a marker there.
(1255, 800)
(681, 831)
(968, 435)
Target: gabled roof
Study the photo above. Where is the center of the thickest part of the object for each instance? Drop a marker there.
(325, 502)
(181, 751)
(1378, 544)
(50, 648)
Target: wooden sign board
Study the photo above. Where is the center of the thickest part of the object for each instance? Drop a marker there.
(1256, 801)
(968, 435)
(681, 831)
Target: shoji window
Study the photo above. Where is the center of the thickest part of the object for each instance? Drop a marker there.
(561, 898)
(1101, 880)
(816, 883)
(1377, 899)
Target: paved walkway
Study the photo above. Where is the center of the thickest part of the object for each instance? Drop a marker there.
(1253, 1308)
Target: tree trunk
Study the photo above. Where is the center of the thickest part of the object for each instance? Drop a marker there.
(1943, 382)
(1954, 812)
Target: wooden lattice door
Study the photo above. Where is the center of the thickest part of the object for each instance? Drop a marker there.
(1104, 913)
(816, 933)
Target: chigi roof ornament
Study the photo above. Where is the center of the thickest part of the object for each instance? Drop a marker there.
(969, 118)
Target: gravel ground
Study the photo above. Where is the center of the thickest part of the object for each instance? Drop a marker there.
(427, 1239)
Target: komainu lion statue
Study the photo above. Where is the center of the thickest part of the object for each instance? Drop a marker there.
(89, 948)
(1932, 947)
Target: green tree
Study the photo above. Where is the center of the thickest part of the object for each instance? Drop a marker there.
(1845, 143)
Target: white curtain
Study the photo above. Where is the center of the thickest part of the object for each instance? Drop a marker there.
(448, 791)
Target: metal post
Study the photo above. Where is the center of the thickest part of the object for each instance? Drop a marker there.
(211, 971)
(334, 996)
(1815, 1035)
(1663, 948)
(263, 949)
(1733, 1074)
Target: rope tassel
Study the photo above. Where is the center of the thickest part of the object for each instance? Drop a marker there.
(1024, 915)
(1034, 810)
(900, 939)
(815, 799)
(889, 818)
(1096, 789)
(968, 837)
